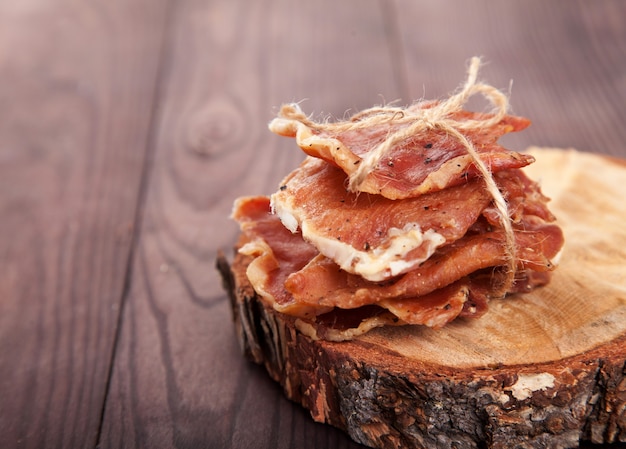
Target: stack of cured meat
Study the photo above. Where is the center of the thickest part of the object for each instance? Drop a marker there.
(440, 221)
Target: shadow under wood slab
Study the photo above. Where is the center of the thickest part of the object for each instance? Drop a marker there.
(546, 369)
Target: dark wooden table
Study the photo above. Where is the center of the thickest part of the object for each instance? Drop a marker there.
(127, 128)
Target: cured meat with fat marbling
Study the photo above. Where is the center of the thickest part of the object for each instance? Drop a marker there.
(370, 235)
(424, 163)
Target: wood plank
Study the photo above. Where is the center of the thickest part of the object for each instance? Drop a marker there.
(179, 378)
(564, 63)
(77, 88)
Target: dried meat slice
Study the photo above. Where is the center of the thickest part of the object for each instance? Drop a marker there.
(341, 325)
(524, 198)
(422, 163)
(275, 254)
(434, 310)
(322, 283)
(369, 235)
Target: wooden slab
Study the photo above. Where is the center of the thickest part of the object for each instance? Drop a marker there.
(76, 95)
(178, 379)
(542, 369)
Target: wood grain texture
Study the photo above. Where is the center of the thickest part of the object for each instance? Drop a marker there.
(563, 63)
(178, 379)
(76, 92)
(79, 147)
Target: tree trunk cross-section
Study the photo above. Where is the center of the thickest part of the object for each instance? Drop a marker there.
(543, 370)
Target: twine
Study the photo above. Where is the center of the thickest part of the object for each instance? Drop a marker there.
(419, 120)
